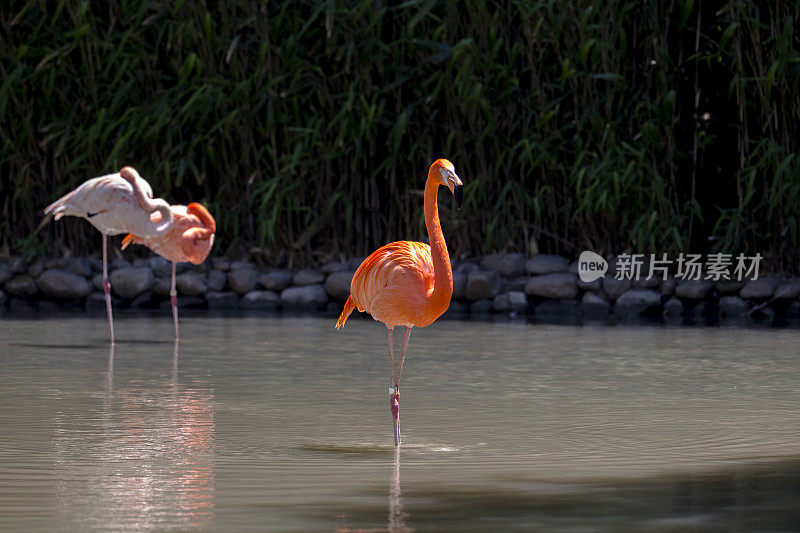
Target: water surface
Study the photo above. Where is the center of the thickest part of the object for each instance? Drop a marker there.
(283, 424)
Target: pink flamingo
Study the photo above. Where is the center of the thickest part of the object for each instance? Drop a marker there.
(189, 238)
(114, 204)
(408, 283)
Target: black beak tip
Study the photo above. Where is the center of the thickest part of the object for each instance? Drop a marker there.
(458, 192)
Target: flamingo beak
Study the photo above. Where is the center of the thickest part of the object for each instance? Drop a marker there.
(457, 188)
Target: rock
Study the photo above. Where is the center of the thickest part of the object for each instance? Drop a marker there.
(58, 283)
(2, 300)
(17, 265)
(613, 287)
(162, 286)
(307, 277)
(130, 282)
(261, 300)
(456, 310)
(480, 307)
(593, 305)
(764, 314)
(673, 308)
(23, 304)
(55, 263)
(36, 268)
(97, 264)
(305, 298)
(694, 289)
(558, 308)
(191, 283)
(81, 266)
(760, 288)
(217, 279)
(732, 306)
(222, 300)
(696, 309)
(510, 301)
(119, 263)
(517, 283)
(140, 262)
(242, 280)
(145, 301)
(553, 286)
(459, 285)
(546, 264)
(276, 280)
(333, 309)
(5, 274)
(338, 284)
(239, 265)
(355, 262)
(636, 302)
(21, 285)
(160, 265)
(97, 282)
(594, 285)
(330, 268)
(221, 263)
(482, 285)
(728, 286)
(788, 290)
(668, 286)
(505, 264)
(647, 283)
(97, 300)
(184, 302)
(466, 268)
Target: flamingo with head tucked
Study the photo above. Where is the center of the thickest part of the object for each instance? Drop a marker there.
(114, 204)
(408, 283)
(189, 238)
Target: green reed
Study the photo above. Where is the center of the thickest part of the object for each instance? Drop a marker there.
(307, 127)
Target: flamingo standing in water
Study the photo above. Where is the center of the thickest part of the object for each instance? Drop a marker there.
(189, 238)
(114, 204)
(408, 283)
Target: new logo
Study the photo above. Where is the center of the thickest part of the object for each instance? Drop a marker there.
(591, 266)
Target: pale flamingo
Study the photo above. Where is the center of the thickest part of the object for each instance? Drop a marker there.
(408, 283)
(114, 204)
(190, 238)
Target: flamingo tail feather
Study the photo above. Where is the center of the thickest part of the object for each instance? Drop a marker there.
(348, 308)
(127, 240)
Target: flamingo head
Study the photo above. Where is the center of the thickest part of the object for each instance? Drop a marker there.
(445, 173)
(132, 175)
(196, 242)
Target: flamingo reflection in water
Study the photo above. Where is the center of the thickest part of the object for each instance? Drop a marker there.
(397, 513)
(143, 459)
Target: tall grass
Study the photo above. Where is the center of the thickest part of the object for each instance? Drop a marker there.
(307, 127)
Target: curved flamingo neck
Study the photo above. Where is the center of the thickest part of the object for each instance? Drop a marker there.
(131, 176)
(439, 300)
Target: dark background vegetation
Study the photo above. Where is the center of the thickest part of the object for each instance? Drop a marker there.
(308, 127)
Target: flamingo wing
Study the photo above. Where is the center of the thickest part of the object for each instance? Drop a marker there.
(106, 202)
(394, 282)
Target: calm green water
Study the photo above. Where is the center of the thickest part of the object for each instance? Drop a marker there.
(283, 424)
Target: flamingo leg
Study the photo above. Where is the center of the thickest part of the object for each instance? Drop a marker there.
(394, 394)
(394, 390)
(107, 289)
(391, 357)
(403, 348)
(173, 298)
